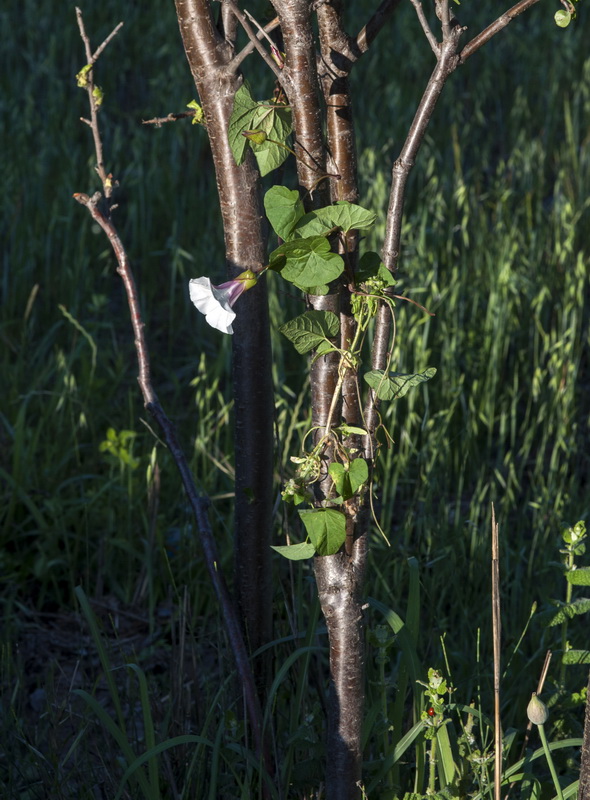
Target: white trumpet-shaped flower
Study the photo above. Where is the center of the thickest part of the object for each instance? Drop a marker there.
(216, 302)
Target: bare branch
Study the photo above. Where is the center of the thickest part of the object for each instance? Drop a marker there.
(99, 210)
(248, 48)
(447, 63)
(268, 60)
(426, 28)
(443, 6)
(159, 121)
(91, 58)
(367, 34)
(502, 21)
(111, 35)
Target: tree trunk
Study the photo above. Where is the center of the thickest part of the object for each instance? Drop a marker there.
(209, 56)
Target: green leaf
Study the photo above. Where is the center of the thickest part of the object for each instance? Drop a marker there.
(579, 577)
(295, 552)
(576, 657)
(311, 329)
(568, 611)
(82, 76)
(283, 208)
(326, 528)
(397, 384)
(242, 118)
(265, 121)
(308, 263)
(350, 430)
(348, 478)
(275, 123)
(345, 216)
(199, 113)
(371, 267)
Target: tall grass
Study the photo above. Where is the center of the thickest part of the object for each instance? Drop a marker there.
(495, 243)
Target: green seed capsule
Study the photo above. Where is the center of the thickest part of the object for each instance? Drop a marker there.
(537, 711)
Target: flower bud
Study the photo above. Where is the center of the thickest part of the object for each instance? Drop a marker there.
(537, 711)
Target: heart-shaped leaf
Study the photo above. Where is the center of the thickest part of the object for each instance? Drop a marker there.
(348, 478)
(343, 215)
(396, 384)
(283, 208)
(307, 263)
(311, 330)
(326, 528)
(295, 552)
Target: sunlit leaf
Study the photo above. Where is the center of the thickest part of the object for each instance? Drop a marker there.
(307, 262)
(566, 612)
(311, 329)
(295, 552)
(344, 216)
(242, 118)
(576, 657)
(396, 384)
(326, 528)
(579, 577)
(348, 478)
(274, 122)
(283, 208)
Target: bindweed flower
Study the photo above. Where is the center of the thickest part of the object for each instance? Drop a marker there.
(216, 302)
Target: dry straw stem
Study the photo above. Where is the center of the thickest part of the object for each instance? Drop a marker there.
(99, 209)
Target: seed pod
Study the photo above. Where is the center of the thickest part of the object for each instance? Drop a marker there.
(537, 711)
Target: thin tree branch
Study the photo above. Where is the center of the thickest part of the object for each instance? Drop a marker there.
(91, 58)
(366, 36)
(255, 41)
(250, 46)
(447, 63)
(106, 180)
(487, 34)
(159, 121)
(443, 6)
(198, 504)
(426, 28)
(100, 212)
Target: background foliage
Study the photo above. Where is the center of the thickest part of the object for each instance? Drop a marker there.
(496, 239)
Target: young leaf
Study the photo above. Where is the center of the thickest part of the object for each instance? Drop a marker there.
(348, 478)
(371, 266)
(295, 552)
(396, 384)
(579, 577)
(576, 657)
(343, 215)
(311, 329)
(308, 262)
(350, 430)
(275, 123)
(283, 208)
(242, 119)
(326, 528)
